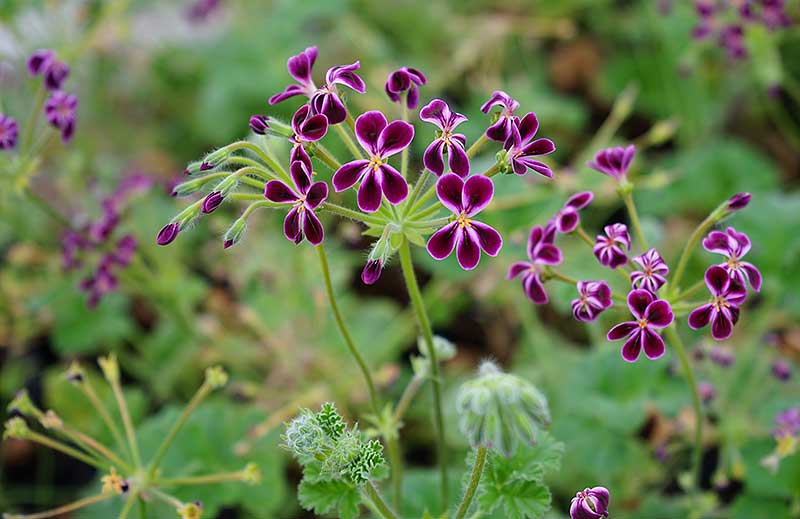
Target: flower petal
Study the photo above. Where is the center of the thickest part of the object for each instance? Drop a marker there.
(449, 188)
(549, 254)
(721, 326)
(432, 158)
(659, 314)
(488, 238)
(700, 316)
(442, 242)
(652, 343)
(369, 126)
(393, 185)
(753, 274)
(369, 192)
(580, 200)
(468, 250)
(717, 279)
(317, 193)
(346, 75)
(436, 112)
(539, 167)
(314, 128)
(301, 176)
(291, 226)
(567, 220)
(638, 301)
(528, 126)
(622, 330)
(458, 160)
(534, 289)
(279, 192)
(299, 67)
(476, 195)
(517, 268)
(632, 347)
(348, 174)
(289, 91)
(717, 242)
(329, 104)
(312, 228)
(395, 138)
(539, 147)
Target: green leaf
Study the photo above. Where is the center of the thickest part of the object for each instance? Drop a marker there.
(325, 496)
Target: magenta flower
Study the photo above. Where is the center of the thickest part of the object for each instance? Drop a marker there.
(405, 79)
(323, 100)
(651, 314)
(259, 124)
(307, 127)
(731, 38)
(723, 310)
(500, 131)
(734, 245)
(305, 197)
(614, 162)
(591, 503)
(653, 273)
(372, 271)
(541, 252)
(521, 148)
(721, 356)
(739, 201)
(594, 298)
(8, 132)
(39, 61)
(567, 219)
(467, 236)
(381, 141)
(60, 112)
(437, 112)
(55, 74)
(787, 422)
(611, 249)
(168, 233)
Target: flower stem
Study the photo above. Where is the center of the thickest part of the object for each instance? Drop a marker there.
(396, 462)
(348, 141)
(268, 160)
(627, 197)
(427, 333)
(492, 171)
(66, 449)
(327, 157)
(348, 339)
(378, 502)
(41, 93)
(200, 480)
(429, 223)
(129, 502)
(349, 213)
(198, 397)
(554, 274)
(584, 236)
(418, 186)
(674, 338)
(477, 472)
(699, 231)
(90, 393)
(126, 422)
(689, 292)
(63, 509)
(477, 145)
(96, 446)
(408, 395)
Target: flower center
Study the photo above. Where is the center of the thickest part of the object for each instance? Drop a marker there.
(642, 323)
(719, 303)
(733, 263)
(300, 204)
(375, 163)
(446, 137)
(463, 220)
(648, 271)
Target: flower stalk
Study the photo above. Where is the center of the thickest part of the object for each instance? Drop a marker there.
(475, 479)
(377, 501)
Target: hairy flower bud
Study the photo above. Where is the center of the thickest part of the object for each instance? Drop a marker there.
(304, 437)
(23, 404)
(16, 428)
(372, 271)
(110, 368)
(498, 410)
(234, 233)
(75, 373)
(168, 233)
(738, 201)
(214, 159)
(259, 124)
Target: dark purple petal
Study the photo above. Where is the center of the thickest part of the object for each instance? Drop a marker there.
(289, 91)
(534, 290)
(717, 242)
(501, 130)
(539, 167)
(659, 314)
(277, 191)
(369, 126)
(468, 250)
(393, 185)
(398, 81)
(632, 347)
(449, 188)
(312, 228)
(393, 96)
(567, 220)
(517, 268)
(346, 176)
(168, 233)
(638, 301)
(436, 112)
(717, 280)
(314, 128)
(369, 192)
(753, 274)
(539, 147)
(317, 194)
(701, 316)
(55, 74)
(721, 326)
(622, 330)
(500, 98)
(39, 61)
(299, 66)
(458, 160)
(291, 226)
(259, 124)
(345, 75)
(372, 271)
(476, 195)
(548, 254)
(579, 200)
(442, 242)
(528, 126)
(395, 138)
(652, 343)
(212, 201)
(329, 105)
(488, 238)
(301, 177)
(739, 201)
(432, 158)
(412, 100)
(299, 116)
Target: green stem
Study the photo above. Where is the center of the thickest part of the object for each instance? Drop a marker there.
(90, 393)
(429, 223)
(200, 480)
(418, 186)
(348, 141)
(425, 326)
(129, 502)
(477, 472)
(477, 145)
(69, 451)
(63, 509)
(348, 339)
(422, 200)
(700, 230)
(674, 338)
(428, 211)
(376, 499)
(396, 463)
(627, 197)
(41, 94)
(325, 156)
(351, 214)
(268, 160)
(584, 236)
(198, 397)
(408, 395)
(126, 422)
(404, 153)
(492, 171)
(689, 292)
(92, 444)
(554, 274)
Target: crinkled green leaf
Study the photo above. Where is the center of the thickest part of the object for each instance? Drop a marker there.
(325, 496)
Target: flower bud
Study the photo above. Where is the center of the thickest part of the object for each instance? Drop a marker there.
(192, 510)
(39, 61)
(721, 356)
(110, 368)
(259, 124)
(781, 370)
(661, 132)
(55, 74)
(214, 159)
(216, 377)
(16, 428)
(445, 350)
(372, 271)
(592, 503)
(189, 187)
(75, 373)
(193, 168)
(498, 410)
(234, 233)
(739, 201)
(168, 233)
(304, 437)
(707, 391)
(23, 404)
(213, 200)
(251, 474)
(50, 420)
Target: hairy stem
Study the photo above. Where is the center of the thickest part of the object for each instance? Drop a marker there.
(63, 509)
(396, 462)
(554, 274)
(627, 197)
(126, 422)
(66, 449)
(348, 339)
(427, 333)
(408, 395)
(380, 505)
(91, 395)
(418, 186)
(327, 157)
(348, 141)
(200, 480)
(477, 472)
(477, 145)
(700, 230)
(349, 213)
(689, 292)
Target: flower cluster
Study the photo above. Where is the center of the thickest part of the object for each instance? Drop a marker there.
(60, 107)
(97, 238)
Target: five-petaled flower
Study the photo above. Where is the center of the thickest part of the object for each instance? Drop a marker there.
(381, 140)
(60, 112)
(567, 218)
(650, 314)
(500, 131)
(541, 251)
(727, 294)
(591, 503)
(614, 162)
(610, 249)
(405, 79)
(593, 298)
(8, 132)
(521, 147)
(653, 273)
(304, 198)
(307, 127)
(465, 199)
(734, 245)
(437, 112)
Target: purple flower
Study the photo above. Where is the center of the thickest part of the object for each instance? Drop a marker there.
(500, 131)
(437, 112)
(101, 283)
(653, 273)
(520, 147)
(788, 422)
(55, 74)
(707, 391)
(594, 298)
(381, 141)
(567, 219)
(71, 244)
(168, 233)
(469, 237)
(126, 248)
(723, 310)
(299, 67)
(734, 245)
(738, 201)
(60, 112)
(259, 124)
(721, 356)
(305, 197)
(326, 100)
(39, 61)
(541, 251)
(307, 127)
(611, 249)
(212, 201)
(591, 503)
(650, 314)
(372, 271)
(8, 132)
(402, 80)
(781, 370)
(614, 162)
(731, 38)
(773, 15)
